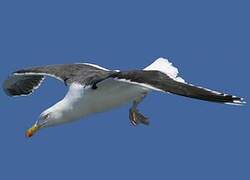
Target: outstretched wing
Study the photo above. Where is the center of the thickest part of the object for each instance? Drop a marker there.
(24, 82)
(159, 81)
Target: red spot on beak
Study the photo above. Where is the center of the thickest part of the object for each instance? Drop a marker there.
(31, 131)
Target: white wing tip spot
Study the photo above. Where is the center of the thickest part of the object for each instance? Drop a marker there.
(238, 102)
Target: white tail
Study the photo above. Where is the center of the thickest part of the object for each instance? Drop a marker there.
(166, 67)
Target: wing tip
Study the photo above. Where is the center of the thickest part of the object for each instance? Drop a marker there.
(13, 88)
(237, 101)
(5, 87)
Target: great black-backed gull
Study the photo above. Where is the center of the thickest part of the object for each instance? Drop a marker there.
(95, 89)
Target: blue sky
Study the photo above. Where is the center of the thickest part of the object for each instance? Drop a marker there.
(188, 139)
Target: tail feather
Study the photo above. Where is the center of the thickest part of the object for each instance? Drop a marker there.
(166, 67)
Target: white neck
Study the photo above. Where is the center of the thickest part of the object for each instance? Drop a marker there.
(64, 110)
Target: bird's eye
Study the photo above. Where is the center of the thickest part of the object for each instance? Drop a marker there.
(46, 116)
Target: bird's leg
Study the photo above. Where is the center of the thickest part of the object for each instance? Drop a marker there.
(135, 116)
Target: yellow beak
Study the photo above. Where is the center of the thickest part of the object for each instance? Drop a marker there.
(31, 131)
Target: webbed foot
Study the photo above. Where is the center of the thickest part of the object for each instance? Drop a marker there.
(136, 117)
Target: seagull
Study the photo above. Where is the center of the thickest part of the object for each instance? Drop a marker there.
(93, 89)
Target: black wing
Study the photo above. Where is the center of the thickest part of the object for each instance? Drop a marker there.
(25, 81)
(159, 81)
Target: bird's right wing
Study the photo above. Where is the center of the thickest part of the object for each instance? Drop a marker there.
(159, 81)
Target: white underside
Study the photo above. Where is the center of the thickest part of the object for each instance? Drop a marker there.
(81, 101)
(110, 94)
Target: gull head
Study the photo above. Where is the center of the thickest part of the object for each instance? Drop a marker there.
(46, 119)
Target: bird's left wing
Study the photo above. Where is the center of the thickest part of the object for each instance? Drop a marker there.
(24, 82)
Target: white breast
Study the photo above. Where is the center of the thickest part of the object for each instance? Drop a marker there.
(81, 101)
